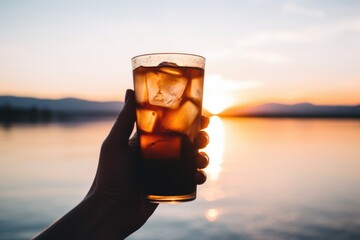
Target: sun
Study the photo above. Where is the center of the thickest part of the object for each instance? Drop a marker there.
(217, 94)
(216, 102)
(221, 93)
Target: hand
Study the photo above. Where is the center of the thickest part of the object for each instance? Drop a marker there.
(114, 206)
(117, 180)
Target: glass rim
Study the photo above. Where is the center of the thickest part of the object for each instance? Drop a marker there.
(167, 53)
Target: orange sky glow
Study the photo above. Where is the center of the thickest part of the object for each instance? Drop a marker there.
(256, 51)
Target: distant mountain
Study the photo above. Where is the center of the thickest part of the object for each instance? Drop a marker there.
(64, 105)
(296, 110)
(27, 109)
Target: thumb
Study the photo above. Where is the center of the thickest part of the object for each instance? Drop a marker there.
(124, 124)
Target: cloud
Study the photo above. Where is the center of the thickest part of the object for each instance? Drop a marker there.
(269, 57)
(305, 35)
(219, 83)
(263, 46)
(280, 36)
(352, 24)
(223, 53)
(299, 10)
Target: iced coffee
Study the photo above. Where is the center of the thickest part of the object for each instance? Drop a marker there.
(168, 93)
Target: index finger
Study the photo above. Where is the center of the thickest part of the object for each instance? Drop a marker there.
(204, 122)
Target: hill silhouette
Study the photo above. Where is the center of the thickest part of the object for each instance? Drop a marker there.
(25, 109)
(301, 110)
(64, 104)
(28, 109)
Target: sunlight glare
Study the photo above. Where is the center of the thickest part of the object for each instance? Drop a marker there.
(221, 93)
(215, 148)
(212, 214)
(216, 102)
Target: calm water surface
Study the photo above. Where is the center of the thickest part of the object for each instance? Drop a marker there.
(268, 179)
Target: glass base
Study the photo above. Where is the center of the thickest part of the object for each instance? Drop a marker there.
(171, 199)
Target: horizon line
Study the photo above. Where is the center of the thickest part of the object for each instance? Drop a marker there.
(229, 108)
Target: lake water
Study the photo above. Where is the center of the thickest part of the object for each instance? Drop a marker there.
(268, 179)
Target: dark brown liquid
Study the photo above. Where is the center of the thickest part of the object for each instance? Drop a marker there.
(169, 177)
(168, 119)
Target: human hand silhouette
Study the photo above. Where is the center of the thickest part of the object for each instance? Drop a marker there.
(117, 179)
(114, 206)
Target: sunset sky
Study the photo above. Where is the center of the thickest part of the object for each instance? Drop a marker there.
(257, 50)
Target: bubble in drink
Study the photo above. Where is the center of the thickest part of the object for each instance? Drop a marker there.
(165, 89)
(146, 119)
(160, 147)
(180, 120)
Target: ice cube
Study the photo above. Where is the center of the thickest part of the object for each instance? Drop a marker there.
(171, 64)
(180, 120)
(170, 68)
(160, 147)
(140, 87)
(165, 89)
(146, 119)
(194, 89)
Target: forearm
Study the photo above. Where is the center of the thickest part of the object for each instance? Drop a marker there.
(91, 219)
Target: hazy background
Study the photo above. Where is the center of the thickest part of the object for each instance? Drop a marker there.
(268, 178)
(278, 51)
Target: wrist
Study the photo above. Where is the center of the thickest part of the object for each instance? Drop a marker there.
(104, 221)
(91, 219)
(120, 216)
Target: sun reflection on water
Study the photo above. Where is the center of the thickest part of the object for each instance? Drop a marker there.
(215, 148)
